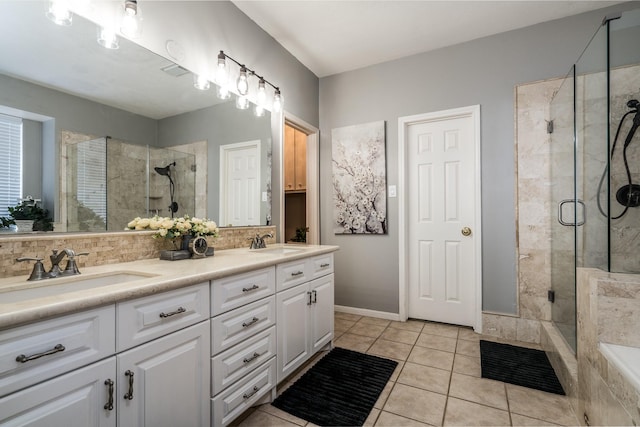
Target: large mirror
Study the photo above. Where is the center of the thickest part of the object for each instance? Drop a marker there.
(134, 113)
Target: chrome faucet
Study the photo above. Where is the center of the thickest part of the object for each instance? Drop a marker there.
(258, 241)
(56, 258)
(71, 268)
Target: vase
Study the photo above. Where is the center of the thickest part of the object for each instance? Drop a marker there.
(24, 225)
(184, 244)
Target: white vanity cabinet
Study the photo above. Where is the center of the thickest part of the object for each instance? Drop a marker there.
(304, 311)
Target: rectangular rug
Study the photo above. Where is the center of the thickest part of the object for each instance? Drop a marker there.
(339, 390)
(518, 365)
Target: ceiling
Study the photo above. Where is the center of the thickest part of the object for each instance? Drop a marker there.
(331, 37)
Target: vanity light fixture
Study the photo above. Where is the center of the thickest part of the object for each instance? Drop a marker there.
(201, 82)
(107, 38)
(130, 25)
(59, 12)
(242, 86)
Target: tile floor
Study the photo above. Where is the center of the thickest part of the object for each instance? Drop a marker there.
(437, 381)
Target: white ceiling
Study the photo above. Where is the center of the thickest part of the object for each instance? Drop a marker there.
(331, 37)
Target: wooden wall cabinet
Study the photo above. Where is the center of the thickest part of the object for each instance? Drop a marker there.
(295, 160)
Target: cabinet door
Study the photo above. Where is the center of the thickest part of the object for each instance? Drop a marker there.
(300, 153)
(170, 382)
(76, 399)
(321, 312)
(289, 158)
(293, 329)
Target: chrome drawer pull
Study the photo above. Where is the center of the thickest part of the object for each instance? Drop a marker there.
(251, 393)
(251, 322)
(24, 358)
(109, 405)
(324, 265)
(315, 296)
(129, 395)
(309, 302)
(252, 288)
(297, 273)
(252, 358)
(173, 313)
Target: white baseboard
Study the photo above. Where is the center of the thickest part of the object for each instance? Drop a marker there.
(366, 312)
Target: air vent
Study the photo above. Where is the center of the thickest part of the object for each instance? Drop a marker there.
(175, 70)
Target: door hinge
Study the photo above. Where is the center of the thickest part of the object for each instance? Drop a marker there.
(549, 126)
(551, 296)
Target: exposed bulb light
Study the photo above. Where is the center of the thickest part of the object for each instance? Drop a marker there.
(259, 110)
(242, 102)
(130, 25)
(59, 12)
(107, 38)
(224, 92)
(200, 82)
(221, 70)
(242, 83)
(261, 97)
(277, 101)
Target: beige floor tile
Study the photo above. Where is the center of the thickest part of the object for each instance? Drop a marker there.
(467, 365)
(440, 329)
(400, 335)
(396, 372)
(347, 316)
(463, 413)
(374, 321)
(390, 349)
(468, 334)
(269, 409)
(264, 419)
(479, 390)
(437, 342)
(521, 420)
(425, 377)
(549, 407)
(409, 325)
(342, 324)
(420, 405)
(354, 342)
(337, 334)
(367, 329)
(372, 418)
(387, 419)
(384, 395)
(430, 357)
(468, 348)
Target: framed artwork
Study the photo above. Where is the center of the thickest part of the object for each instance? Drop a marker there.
(359, 179)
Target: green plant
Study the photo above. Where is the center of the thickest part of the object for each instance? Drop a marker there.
(301, 234)
(28, 209)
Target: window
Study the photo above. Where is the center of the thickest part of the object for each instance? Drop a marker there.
(10, 162)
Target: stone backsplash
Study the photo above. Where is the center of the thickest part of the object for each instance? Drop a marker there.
(106, 248)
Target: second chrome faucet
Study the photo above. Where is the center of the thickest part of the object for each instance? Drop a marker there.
(71, 269)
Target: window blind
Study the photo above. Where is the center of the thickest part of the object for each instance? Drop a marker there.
(10, 162)
(92, 176)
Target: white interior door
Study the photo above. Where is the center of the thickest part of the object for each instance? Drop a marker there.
(442, 202)
(240, 184)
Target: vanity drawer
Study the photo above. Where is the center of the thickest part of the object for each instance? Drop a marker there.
(238, 361)
(320, 265)
(39, 351)
(238, 398)
(147, 318)
(235, 326)
(291, 273)
(235, 291)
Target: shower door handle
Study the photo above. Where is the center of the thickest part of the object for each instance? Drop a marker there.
(571, 223)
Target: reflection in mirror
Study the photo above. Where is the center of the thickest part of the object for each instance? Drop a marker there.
(71, 93)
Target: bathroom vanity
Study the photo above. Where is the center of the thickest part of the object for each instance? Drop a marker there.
(188, 343)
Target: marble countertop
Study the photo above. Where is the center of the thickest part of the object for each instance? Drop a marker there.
(155, 276)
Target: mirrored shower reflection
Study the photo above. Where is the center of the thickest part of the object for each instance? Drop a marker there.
(109, 182)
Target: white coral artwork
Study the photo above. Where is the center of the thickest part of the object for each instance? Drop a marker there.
(359, 179)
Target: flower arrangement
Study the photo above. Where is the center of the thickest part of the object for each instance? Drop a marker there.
(170, 228)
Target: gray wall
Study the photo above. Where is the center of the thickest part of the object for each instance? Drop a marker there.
(483, 72)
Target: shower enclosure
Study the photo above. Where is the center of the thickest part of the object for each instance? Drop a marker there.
(595, 165)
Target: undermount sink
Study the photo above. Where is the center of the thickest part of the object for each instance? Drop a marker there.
(62, 285)
(280, 250)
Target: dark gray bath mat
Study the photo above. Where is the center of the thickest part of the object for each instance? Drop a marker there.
(518, 365)
(339, 390)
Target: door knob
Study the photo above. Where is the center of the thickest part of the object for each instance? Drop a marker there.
(466, 231)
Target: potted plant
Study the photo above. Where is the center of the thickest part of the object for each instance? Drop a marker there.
(28, 216)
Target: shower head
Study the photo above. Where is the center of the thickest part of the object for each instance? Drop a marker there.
(633, 103)
(165, 171)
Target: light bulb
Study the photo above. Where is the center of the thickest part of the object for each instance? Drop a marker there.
(224, 92)
(200, 82)
(242, 102)
(221, 70)
(130, 25)
(259, 110)
(242, 83)
(261, 97)
(277, 101)
(59, 12)
(107, 38)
